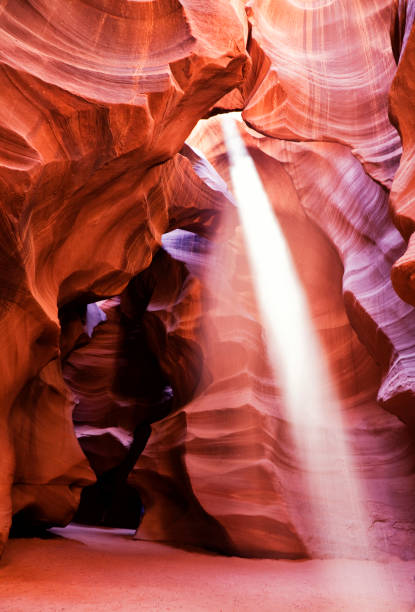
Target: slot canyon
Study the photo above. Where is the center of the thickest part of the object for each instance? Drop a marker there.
(207, 305)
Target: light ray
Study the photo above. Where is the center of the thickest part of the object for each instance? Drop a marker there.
(329, 514)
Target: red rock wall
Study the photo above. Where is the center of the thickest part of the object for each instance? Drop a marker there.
(97, 101)
(232, 439)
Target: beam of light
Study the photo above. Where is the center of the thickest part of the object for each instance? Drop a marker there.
(323, 489)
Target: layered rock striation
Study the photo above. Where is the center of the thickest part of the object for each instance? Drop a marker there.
(97, 100)
(101, 198)
(233, 438)
(402, 96)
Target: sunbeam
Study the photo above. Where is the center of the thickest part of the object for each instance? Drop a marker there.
(331, 518)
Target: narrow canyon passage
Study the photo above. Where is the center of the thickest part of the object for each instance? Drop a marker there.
(207, 305)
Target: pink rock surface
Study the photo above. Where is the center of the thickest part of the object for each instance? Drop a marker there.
(308, 88)
(402, 101)
(316, 89)
(234, 431)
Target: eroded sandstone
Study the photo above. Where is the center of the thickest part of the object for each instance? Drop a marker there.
(97, 102)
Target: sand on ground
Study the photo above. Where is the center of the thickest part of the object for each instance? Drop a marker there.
(91, 569)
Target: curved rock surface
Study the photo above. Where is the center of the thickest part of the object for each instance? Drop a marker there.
(235, 430)
(193, 473)
(303, 86)
(334, 98)
(95, 102)
(306, 86)
(402, 105)
(368, 244)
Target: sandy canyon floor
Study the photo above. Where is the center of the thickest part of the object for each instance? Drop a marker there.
(87, 569)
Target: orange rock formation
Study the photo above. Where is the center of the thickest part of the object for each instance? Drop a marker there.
(98, 99)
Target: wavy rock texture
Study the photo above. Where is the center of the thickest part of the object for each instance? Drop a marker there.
(97, 100)
(222, 447)
(95, 103)
(318, 91)
(218, 471)
(235, 432)
(221, 357)
(402, 105)
(143, 361)
(304, 85)
(367, 245)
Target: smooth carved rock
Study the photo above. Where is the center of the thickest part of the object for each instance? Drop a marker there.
(402, 105)
(318, 89)
(96, 100)
(368, 244)
(209, 474)
(145, 360)
(193, 474)
(234, 431)
(306, 87)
